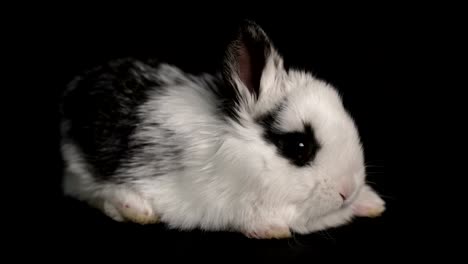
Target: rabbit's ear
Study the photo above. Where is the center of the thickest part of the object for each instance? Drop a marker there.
(368, 203)
(251, 60)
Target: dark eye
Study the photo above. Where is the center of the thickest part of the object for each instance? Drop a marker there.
(299, 148)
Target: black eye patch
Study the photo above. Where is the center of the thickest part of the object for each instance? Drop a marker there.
(299, 147)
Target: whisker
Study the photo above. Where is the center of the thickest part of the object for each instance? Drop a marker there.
(387, 196)
(371, 182)
(374, 166)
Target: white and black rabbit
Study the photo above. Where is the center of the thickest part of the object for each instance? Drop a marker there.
(255, 149)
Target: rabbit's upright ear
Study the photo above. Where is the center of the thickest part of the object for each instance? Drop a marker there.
(251, 61)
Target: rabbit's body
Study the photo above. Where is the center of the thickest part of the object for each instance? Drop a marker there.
(255, 149)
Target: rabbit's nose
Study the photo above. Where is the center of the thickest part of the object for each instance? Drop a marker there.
(346, 188)
(343, 197)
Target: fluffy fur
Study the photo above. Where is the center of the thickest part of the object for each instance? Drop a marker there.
(193, 154)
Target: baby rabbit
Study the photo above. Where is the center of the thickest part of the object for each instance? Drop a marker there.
(255, 148)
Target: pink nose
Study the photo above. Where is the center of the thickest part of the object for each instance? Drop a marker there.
(346, 190)
(343, 197)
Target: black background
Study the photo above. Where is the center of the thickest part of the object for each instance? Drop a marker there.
(361, 54)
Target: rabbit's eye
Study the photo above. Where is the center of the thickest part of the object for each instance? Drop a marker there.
(299, 148)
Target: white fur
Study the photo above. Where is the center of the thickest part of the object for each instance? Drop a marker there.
(232, 178)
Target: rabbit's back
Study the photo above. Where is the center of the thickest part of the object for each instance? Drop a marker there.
(101, 111)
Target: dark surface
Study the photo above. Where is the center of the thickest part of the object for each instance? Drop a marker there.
(355, 56)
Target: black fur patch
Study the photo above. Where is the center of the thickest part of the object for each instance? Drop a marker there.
(299, 147)
(102, 110)
(228, 98)
(156, 157)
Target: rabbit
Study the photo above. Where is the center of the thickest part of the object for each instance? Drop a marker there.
(254, 148)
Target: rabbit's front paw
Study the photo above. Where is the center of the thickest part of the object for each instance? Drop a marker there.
(269, 232)
(126, 205)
